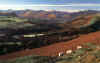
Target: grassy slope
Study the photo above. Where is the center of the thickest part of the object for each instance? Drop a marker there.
(88, 54)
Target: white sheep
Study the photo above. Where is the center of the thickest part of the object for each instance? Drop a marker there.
(68, 51)
(61, 54)
(79, 47)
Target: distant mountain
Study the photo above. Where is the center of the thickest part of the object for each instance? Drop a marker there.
(49, 16)
(54, 15)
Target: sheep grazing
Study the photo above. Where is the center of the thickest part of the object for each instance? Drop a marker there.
(68, 51)
(61, 54)
(79, 47)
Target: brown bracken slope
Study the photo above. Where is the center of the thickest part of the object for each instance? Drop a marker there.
(53, 50)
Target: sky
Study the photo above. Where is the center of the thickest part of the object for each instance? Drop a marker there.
(59, 5)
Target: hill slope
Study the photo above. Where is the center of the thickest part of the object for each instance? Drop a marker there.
(54, 49)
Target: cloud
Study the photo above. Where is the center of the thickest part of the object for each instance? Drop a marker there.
(47, 5)
(70, 7)
(69, 4)
(84, 4)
